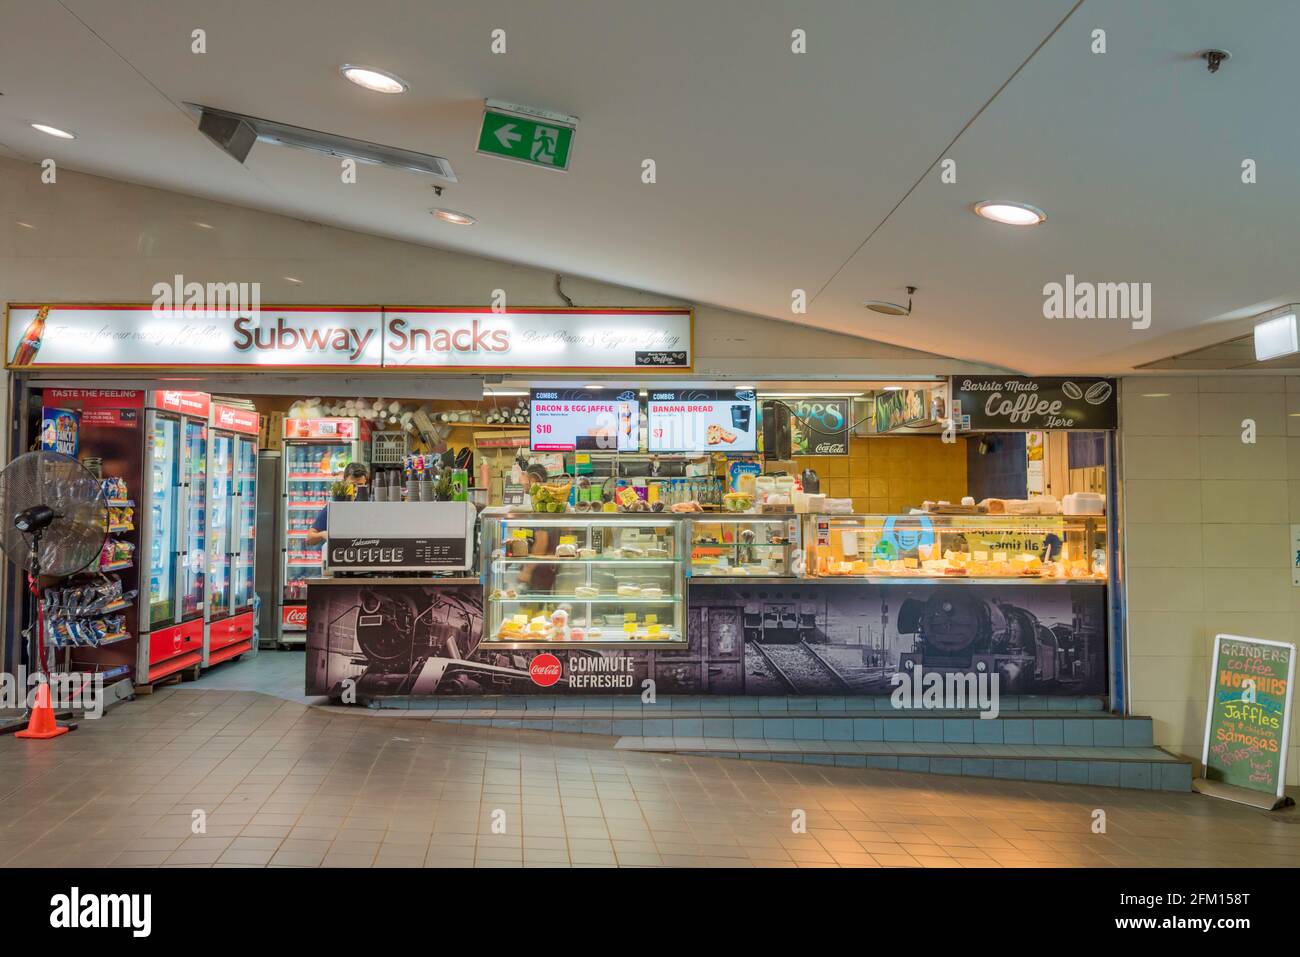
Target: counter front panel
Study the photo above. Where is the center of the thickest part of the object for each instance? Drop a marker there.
(777, 637)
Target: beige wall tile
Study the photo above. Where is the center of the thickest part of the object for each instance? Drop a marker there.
(1246, 546)
(1271, 626)
(1227, 457)
(1166, 633)
(1250, 502)
(1151, 500)
(1243, 383)
(1162, 457)
(1164, 589)
(1167, 677)
(1248, 589)
(1163, 546)
(1173, 414)
(1222, 413)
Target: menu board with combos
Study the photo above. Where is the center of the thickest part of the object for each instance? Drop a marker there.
(1249, 714)
(1019, 403)
(696, 420)
(588, 420)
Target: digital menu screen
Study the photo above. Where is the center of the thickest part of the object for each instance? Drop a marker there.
(699, 420)
(584, 420)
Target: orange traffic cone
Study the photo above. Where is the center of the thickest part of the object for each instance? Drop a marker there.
(42, 724)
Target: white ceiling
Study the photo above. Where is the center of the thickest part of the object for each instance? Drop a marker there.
(773, 168)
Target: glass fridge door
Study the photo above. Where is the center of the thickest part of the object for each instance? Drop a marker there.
(221, 472)
(162, 478)
(311, 470)
(194, 570)
(245, 517)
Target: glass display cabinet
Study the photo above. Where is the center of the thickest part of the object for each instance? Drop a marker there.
(743, 546)
(1043, 548)
(599, 580)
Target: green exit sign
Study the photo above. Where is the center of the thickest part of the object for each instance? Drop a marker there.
(536, 137)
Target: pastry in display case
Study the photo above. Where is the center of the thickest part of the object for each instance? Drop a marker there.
(743, 546)
(1020, 547)
(604, 579)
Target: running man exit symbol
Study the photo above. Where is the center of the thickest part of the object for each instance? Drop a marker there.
(527, 135)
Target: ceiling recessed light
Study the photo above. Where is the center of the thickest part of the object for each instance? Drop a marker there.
(1010, 214)
(377, 81)
(296, 282)
(454, 217)
(54, 131)
(204, 225)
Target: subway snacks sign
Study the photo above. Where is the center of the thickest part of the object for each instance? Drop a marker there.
(1249, 714)
(351, 337)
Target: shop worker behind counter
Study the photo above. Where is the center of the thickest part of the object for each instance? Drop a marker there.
(355, 475)
(538, 578)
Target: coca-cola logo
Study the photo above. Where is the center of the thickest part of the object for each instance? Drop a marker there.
(295, 616)
(545, 670)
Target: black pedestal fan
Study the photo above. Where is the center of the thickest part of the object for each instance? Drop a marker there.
(53, 524)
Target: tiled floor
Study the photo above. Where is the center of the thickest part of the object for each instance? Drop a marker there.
(282, 783)
(279, 673)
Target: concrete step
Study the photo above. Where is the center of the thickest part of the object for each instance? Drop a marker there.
(1134, 767)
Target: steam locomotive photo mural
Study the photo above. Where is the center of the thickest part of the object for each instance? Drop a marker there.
(770, 638)
(837, 638)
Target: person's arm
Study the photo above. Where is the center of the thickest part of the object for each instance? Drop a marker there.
(541, 546)
(318, 532)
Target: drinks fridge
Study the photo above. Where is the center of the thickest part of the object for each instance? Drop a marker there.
(315, 453)
(232, 532)
(173, 539)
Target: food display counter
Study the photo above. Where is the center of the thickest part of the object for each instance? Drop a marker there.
(728, 603)
(604, 580)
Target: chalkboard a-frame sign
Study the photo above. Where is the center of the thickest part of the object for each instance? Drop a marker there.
(1248, 721)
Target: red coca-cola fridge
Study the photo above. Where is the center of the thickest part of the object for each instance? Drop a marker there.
(173, 536)
(232, 532)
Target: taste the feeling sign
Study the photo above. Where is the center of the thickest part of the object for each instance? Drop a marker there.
(352, 337)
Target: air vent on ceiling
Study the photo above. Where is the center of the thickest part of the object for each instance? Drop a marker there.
(235, 134)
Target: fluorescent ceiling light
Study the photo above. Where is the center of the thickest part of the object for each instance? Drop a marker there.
(54, 131)
(455, 217)
(377, 81)
(204, 225)
(593, 385)
(25, 225)
(893, 388)
(1276, 337)
(1155, 395)
(504, 392)
(235, 134)
(1010, 214)
(296, 282)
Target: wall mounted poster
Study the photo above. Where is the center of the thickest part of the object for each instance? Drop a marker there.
(1249, 716)
(819, 426)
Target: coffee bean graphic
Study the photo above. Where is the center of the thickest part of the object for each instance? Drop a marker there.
(1098, 394)
(1072, 391)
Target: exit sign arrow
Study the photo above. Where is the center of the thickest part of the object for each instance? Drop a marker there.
(527, 135)
(507, 136)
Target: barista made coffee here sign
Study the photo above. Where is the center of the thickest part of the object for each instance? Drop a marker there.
(1021, 403)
